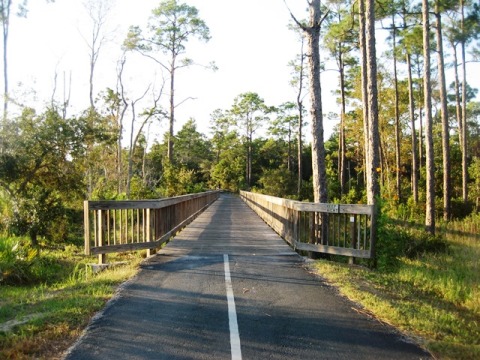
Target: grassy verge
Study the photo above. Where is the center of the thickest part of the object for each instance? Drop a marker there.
(433, 296)
(42, 320)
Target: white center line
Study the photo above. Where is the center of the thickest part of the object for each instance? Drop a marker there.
(232, 314)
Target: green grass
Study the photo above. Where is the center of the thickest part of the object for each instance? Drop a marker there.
(433, 296)
(56, 310)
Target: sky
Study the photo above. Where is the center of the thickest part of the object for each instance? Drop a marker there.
(250, 44)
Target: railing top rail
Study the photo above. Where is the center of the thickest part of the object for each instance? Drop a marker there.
(317, 207)
(143, 204)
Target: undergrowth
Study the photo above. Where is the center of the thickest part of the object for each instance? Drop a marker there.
(48, 295)
(427, 286)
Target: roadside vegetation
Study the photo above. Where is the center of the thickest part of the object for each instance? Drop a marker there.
(49, 294)
(426, 286)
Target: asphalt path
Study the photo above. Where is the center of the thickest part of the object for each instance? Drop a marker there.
(228, 287)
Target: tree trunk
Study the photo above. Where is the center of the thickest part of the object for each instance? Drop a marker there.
(172, 112)
(316, 114)
(464, 109)
(363, 62)
(420, 139)
(33, 238)
(300, 125)
(397, 116)
(299, 150)
(373, 188)
(373, 191)
(430, 166)
(444, 115)
(249, 160)
(458, 105)
(342, 169)
(411, 109)
(6, 25)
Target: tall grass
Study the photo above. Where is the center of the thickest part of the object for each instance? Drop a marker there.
(427, 286)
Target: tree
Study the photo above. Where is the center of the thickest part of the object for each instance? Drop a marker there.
(172, 24)
(282, 127)
(116, 107)
(154, 111)
(298, 77)
(249, 112)
(430, 167)
(5, 14)
(222, 135)
(394, 31)
(370, 98)
(97, 12)
(444, 113)
(340, 41)
(38, 172)
(312, 33)
(229, 172)
(193, 151)
(411, 45)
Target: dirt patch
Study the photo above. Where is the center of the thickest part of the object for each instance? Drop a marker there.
(9, 325)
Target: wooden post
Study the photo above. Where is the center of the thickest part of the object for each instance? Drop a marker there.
(101, 257)
(353, 237)
(86, 228)
(311, 228)
(150, 252)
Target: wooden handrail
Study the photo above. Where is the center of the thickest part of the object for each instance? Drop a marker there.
(340, 229)
(126, 225)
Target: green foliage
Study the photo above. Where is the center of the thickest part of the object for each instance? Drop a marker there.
(395, 242)
(474, 173)
(277, 182)
(37, 173)
(22, 264)
(229, 172)
(170, 27)
(178, 180)
(193, 151)
(460, 208)
(139, 190)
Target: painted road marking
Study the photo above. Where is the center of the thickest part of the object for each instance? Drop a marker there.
(232, 314)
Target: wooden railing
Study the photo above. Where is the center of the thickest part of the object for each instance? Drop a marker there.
(118, 226)
(326, 228)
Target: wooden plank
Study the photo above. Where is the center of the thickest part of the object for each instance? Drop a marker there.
(342, 208)
(334, 250)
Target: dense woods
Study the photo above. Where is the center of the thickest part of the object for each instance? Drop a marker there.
(407, 133)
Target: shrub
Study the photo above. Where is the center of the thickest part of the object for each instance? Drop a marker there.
(395, 242)
(22, 264)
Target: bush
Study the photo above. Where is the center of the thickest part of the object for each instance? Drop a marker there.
(460, 209)
(395, 242)
(22, 264)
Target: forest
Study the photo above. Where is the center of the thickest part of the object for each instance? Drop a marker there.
(424, 158)
(51, 162)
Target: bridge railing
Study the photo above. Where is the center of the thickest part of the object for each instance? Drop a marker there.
(118, 226)
(338, 229)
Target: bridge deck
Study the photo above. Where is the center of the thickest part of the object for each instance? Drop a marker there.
(228, 226)
(180, 304)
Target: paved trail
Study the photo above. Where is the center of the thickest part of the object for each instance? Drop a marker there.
(228, 287)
